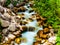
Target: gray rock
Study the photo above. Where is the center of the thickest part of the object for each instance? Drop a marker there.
(5, 31)
(12, 27)
(6, 15)
(4, 23)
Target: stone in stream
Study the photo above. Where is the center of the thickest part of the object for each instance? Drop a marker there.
(12, 27)
(21, 9)
(18, 40)
(31, 28)
(35, 43)
(11, 36)
(5, 23)
(46, 30)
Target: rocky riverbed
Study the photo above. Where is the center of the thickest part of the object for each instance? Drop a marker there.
(21, 25)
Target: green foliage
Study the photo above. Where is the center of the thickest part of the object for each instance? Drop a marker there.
(58, 40)
(0, 26)
(58, 43)
(50, 10)
(0, 31)
(14, 3)
(0, 37)
(7, 2)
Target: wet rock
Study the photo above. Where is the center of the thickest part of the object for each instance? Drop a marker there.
(43, 41)
(21, 9)
(47, 43)
(15, 9)
(41, 35)
(10, 6)
(31, 28)
(35, 43)
(20, 4)
(1, 9)
(12, 27)
(46, 30)
(11, 36)
(5, 23)
(16, 33)
(38, 39)
(44, 36)
(17, 40)
(6, 16)
(31, 11)
(5, 31)
(24, 28)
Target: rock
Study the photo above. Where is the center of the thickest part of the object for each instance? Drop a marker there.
(5, 31)
(11, 36)
(21, 9)
(1, 9)
(52, 39)
(4, 23)
(17, 40)
(24, 28)
(12, 27)
(6, 15)
(6, 39)
(44, 36)
(35, 43)
(20, 4)
(40, 33)
(50, 27)
(31, 28)
(16, 33)
(43, 41)
(46, 30)
(2, 2)
(38, 39)
(10, 6)
(15, 9)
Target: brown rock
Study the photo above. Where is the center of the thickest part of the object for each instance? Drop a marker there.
(46, 30)
(4, 23)
(35, 43)
(44, 36)
(24, 28)
(21, 9)
(17, 40)
(31, 28)
(40, 33)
